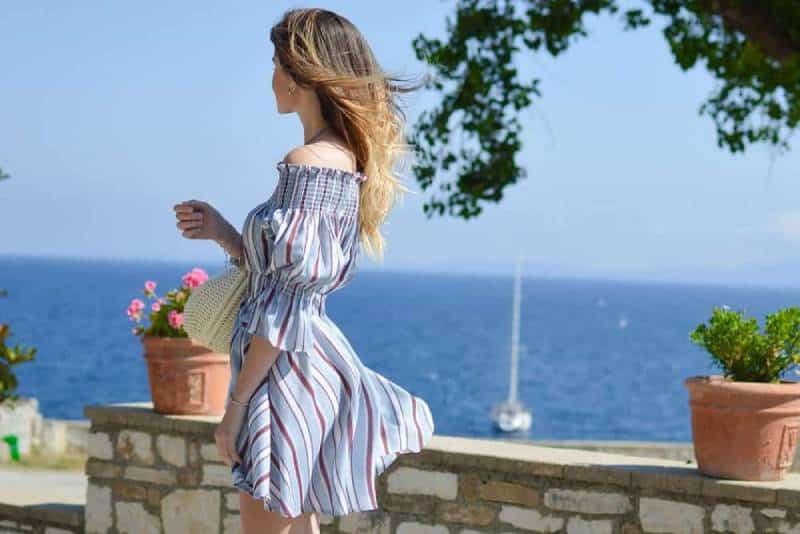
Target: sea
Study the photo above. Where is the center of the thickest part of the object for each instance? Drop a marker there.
(600, 360)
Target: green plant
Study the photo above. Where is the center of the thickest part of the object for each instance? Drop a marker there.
(8, 357)
(744, 353)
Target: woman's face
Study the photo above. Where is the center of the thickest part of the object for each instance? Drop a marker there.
(281, 82)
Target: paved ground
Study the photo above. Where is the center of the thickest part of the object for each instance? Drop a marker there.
(30, 486)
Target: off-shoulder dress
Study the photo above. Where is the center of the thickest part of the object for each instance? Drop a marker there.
(321, 426)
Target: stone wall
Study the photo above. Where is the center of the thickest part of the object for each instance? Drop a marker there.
(154, 473)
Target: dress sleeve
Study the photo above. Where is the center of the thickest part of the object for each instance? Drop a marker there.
(302, 260)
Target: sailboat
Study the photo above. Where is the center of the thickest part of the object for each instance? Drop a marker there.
(511, 415)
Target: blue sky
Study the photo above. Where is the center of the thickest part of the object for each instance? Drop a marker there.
(113, 112)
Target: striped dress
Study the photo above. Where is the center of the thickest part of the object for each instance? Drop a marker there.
(321, 426)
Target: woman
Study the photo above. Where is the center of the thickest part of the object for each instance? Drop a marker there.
(308, 428)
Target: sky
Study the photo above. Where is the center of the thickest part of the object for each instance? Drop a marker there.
(113, 112)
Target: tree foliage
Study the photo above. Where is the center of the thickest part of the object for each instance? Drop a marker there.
(750, 47)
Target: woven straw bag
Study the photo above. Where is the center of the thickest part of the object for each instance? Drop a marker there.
(210, 311)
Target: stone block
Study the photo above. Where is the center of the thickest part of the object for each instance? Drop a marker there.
(507, 492)
(134, 446)
(663, 516)
(470, 514)
(132, 518)
(196, 510)
(726, 517)
(358, 522)
(102, 469)
(127, 491)
(149, 474)
(232, 524)
(172, 449)
(98, 509)
(577, 525)
(208, 452)
(773, 513)
(217, 475)
(530, 519)
(99, 446)
(587, 502)
(410, 480)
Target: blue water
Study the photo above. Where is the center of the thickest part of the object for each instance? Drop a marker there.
(604, 360)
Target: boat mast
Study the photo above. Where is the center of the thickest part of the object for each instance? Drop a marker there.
(512, 386)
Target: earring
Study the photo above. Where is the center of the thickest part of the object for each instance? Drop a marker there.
(291, 89)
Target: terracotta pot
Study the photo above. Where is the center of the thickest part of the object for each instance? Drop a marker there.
(744, 430)
(185, 377)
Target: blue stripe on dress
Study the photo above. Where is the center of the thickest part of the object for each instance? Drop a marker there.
(322, 426)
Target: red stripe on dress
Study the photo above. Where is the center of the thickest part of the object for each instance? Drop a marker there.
(383, 438)
(369, 469)
(400, 418)
(338, 372)
(284, 472)
(273, 494)
(322, 424)
(292, 234)
(251, 441)
(294, 452)
(350, 430)
(316, 267)
(307, 443)
(341, 276)
(285, 324)
(261, 458)
(276, 496)
(353, 370)
(336, 431)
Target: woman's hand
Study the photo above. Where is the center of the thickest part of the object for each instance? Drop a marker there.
(199, 220)
(228, 430)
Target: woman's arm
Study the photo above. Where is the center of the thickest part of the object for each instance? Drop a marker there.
(231, 242)
(257, 361)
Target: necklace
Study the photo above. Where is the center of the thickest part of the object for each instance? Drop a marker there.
(316, 135)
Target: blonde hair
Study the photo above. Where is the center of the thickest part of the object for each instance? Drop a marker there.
(322, 50)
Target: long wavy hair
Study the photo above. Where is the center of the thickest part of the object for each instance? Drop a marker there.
(322, 50)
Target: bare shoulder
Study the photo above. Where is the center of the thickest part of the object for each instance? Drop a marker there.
(300, 155)
(319, 156)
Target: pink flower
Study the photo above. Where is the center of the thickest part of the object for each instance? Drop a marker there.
(175, 319)
(134, 331)
(155, 306)
(135, 309)
(149, 287)
(195, 277)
